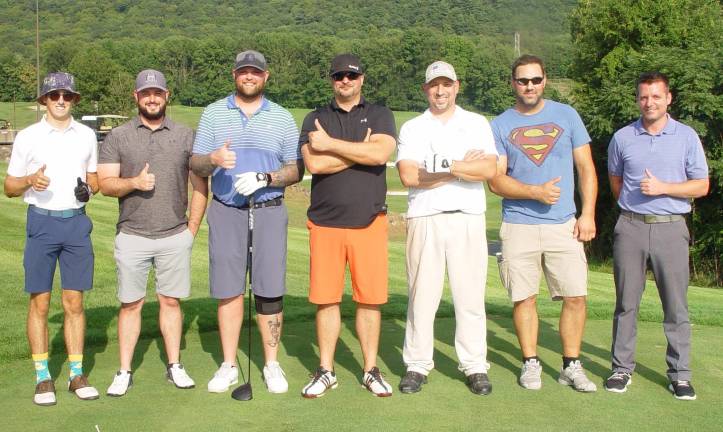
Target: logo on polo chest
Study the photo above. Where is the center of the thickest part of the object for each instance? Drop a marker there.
(537, 141)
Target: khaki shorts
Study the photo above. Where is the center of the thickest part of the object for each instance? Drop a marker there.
(552, 249)
(171, 257)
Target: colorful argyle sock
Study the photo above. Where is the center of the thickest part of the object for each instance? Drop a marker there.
(41, 367)
(76, 365)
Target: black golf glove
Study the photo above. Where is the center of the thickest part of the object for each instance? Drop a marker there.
(82, 191)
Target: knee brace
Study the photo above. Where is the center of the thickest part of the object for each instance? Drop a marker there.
(269, 305)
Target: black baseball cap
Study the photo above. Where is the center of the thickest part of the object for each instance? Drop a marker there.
(346, 63)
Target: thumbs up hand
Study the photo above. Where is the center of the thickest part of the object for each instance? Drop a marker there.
(82, 191)
(650, 185)
(145, 181)
(224, 157)
(320, 141)
(39, 181)
(549, 192)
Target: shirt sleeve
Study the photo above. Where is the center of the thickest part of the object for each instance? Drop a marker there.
(499, 139)
(109, 150)
(205, 137)
(579, 134)
(93, 157)
(18, 166)
(405, 147)
(291, 150)
(696, 167)
(384, 122)
(307, 126)
(615, 161)
(488, 140)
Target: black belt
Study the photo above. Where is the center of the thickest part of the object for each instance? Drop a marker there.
(652, 219)
(257, 205)
(65, 214)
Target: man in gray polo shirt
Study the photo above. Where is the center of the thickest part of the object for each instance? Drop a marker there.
(656, 165)
(145, 163)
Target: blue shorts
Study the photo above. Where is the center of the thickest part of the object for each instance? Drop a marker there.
(51, 239)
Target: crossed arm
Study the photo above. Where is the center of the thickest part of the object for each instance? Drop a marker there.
(475, 167)
(326, 155)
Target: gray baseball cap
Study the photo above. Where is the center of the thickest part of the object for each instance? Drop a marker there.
(151, 78)
(57, 81)
(250, 58)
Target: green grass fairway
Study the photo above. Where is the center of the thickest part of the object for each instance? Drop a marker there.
(444, 404)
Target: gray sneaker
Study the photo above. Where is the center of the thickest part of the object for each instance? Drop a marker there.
(574, 375)
(531, 375)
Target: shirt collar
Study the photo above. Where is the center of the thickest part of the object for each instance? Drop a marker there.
(166, 124)
(669, 129)
(50, 128)
(231, 103)
(457, 111)
(335, 106)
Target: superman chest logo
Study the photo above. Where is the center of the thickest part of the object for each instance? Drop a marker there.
(537, 141)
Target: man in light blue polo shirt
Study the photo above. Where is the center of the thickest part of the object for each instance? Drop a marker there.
(656, 165)
(249, 147)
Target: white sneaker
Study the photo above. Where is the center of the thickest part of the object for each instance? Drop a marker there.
(122, 381)
(531, 375)
(321, 381)
(177, 375)
(225, 376)
(275, 378)
(574, 375)
(374, 382)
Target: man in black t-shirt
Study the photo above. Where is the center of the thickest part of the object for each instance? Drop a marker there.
(346, 145)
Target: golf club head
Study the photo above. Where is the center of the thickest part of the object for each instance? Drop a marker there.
(243, 392)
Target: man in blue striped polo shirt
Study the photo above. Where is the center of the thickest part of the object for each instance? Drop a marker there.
(248, 146)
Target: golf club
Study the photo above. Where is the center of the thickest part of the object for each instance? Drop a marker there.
(244, 392)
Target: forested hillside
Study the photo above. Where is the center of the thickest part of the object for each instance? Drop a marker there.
(106, 43)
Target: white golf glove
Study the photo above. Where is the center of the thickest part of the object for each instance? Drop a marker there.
(436, 163)
(250, 182)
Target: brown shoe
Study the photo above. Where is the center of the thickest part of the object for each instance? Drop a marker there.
(44, 393)
(80, 386)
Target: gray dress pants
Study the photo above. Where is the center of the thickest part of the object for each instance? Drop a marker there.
(665, 246)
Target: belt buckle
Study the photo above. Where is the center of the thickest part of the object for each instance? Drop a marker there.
(650, 219)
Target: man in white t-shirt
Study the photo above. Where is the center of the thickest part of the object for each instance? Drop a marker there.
(444, 156)
(53, 167)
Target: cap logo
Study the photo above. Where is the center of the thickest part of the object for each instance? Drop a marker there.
(356, 68)
(150, 78)
(249, 57)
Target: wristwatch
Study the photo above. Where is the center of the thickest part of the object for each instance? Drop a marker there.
(263, 176)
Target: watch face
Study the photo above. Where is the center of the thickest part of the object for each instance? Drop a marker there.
(260, 177)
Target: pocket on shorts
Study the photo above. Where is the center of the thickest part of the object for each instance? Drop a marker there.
(503, 266)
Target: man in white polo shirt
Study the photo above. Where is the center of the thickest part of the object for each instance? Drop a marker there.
(444, 156)
(53, 167)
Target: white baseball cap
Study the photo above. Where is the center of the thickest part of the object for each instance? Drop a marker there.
(440, 69)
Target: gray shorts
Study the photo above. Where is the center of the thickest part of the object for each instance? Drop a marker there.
(170, 256)
(228, 249)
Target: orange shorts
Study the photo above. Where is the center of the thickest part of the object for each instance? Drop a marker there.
(365, 249)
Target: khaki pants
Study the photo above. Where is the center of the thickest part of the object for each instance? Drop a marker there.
(455, 241)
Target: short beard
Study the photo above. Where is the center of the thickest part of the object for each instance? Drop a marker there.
(245, 96)
(148, 116)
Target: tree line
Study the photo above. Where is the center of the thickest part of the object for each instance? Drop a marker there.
(610, 42)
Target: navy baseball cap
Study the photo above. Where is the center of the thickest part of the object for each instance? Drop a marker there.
(151, 78)
(250, 58)
(346, 63)
(57, 81)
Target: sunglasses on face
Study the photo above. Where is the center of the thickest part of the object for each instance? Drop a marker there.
(55, 96)
(341, 75)
(525, 81)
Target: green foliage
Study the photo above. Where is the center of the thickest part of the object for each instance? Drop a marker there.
(616, 41)
(17, 78)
